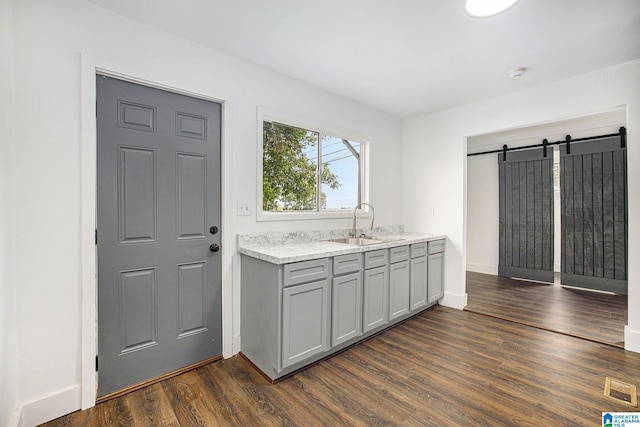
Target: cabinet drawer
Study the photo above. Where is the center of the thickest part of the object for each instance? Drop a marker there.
(378, 258)
(306, 271)
(418, 249)
(349, 263)
(436, 246)
(401, 253)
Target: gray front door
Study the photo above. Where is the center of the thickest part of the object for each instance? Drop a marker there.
(158, 214)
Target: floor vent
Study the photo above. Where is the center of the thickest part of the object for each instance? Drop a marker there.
(621, 391)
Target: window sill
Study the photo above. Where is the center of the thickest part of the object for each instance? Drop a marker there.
(301, 216)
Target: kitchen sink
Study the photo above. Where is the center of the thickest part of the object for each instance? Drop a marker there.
(357, 241)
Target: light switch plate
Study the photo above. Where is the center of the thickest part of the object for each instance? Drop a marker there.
(244, 208)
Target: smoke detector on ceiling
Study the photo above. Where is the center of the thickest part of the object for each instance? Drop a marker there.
(516, 73)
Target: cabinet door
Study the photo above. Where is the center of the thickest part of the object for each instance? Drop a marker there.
(376, 302)
(398, 289)
(418, 282)
(346, 309)
(305, 321)
(436, 278)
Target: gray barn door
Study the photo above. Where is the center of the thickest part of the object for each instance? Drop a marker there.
(159, 284)
(526, 215)
(594, 215)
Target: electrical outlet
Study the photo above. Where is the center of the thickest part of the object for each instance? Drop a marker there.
(244, 208)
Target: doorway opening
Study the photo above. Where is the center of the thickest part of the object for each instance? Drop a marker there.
(90, 67)
(157, 239)
(491, 294)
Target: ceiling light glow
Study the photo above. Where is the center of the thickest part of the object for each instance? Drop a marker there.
(486, 8)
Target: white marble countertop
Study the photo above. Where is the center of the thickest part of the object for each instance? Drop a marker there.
(293, 251)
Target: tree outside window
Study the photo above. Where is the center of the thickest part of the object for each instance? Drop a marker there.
(293, 179)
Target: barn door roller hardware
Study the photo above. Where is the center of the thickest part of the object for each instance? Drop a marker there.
(545, 143)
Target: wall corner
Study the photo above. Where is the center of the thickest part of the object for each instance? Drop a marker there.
(457, 301)
(631, 340)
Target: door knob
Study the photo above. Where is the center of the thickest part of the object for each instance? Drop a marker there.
(214, 247)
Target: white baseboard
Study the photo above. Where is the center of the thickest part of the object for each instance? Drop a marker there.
(50, 407)
(14, 418)
(483, 268)
(454, 301)
(631, 340)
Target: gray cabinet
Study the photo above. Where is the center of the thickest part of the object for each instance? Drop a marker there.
(435, 270)
(298, 313)
(305, 321)
(305, 310)
(285, 313)
(399, 253)
(375, 299)
(346, 307)
(418, 276)
(398, 282)
(305, 271)
(350, 263)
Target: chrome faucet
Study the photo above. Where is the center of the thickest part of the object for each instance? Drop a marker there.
(352, 233)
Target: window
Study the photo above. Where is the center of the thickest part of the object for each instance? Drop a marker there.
(309, 171)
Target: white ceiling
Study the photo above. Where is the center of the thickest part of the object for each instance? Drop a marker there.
(605, 123)
(405, 57)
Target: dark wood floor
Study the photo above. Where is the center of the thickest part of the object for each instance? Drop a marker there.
(444, 367)
(582, 313)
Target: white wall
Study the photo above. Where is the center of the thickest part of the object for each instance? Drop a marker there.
(482, 217)
(435, 162)
(482, 180)
(49, 40)
(8, 326)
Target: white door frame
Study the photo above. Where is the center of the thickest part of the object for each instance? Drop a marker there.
(89, 67)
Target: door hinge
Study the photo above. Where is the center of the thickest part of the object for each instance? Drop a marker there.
(96, 363)
(96, 236)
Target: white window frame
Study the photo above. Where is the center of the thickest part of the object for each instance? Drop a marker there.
(269, 115)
